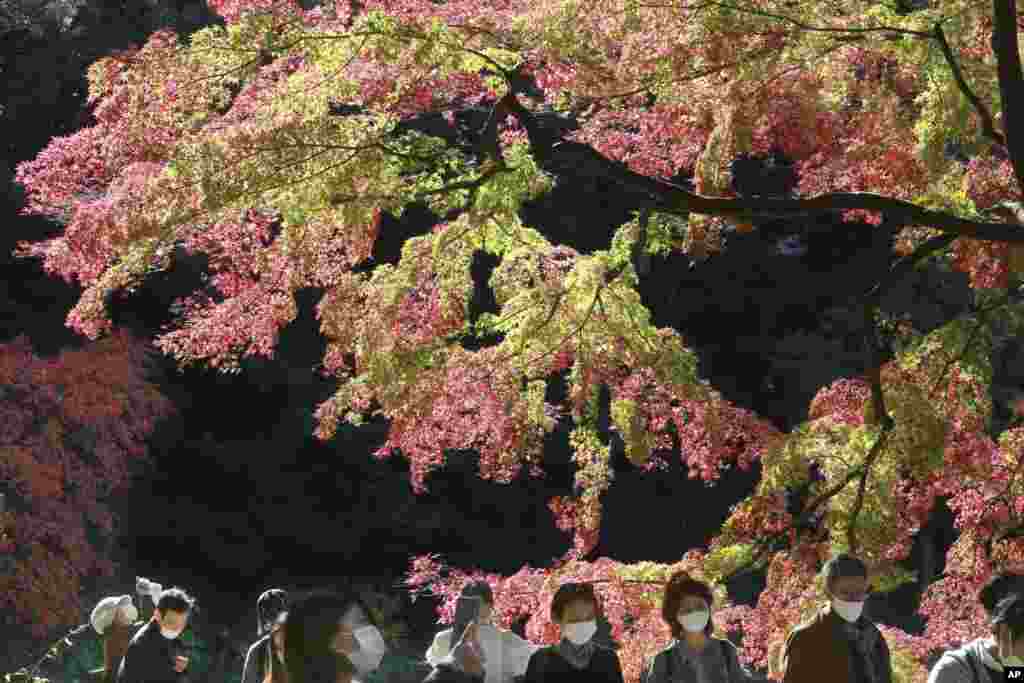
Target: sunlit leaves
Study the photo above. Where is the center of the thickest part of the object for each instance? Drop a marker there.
(269, 145)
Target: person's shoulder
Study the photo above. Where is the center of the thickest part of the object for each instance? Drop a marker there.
(810, 624)
(724, 643)
(145, 633)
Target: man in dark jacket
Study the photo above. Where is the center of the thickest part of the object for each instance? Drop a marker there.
(269, 607)
(838, 644)
(156, 653)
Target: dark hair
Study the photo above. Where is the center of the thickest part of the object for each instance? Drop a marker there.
(999, 586)
(479, 589)
(175, 600)
(679, 586)
(1010, 611)
(570, 592)
(269, 606)
(843, 566)
(311, 626)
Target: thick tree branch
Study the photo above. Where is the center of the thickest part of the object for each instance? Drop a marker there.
(667, 197)
(1011, 81)
(987, 126)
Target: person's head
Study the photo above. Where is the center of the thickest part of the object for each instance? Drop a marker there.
(126, 614)
(687, 605)
(1008, 629)
(269, 606)
(575, 609)
(328, 636)
(482, 591)
(997, 587)
(113, 611)
(172, 612)
(846, 585)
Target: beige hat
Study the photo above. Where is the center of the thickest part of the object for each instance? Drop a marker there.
(103, 613)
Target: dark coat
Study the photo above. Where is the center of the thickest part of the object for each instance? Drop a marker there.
(547, 666)
(150, 657)
(818, 649)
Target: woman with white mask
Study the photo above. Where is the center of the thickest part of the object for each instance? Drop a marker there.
(506, 654)
(576, 657)
(361, 642)
(694, 655)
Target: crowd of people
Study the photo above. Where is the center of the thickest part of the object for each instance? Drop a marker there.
(332, 637)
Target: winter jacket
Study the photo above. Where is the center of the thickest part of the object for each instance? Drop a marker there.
(819, 647)
(150, 657)
(966, 665)
(669, 665)
(548, 666)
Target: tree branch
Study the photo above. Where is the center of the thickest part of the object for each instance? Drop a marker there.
(1011, 81)
(987, 126)
(667, 197)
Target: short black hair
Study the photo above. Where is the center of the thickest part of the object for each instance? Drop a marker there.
(843, 566)
(1010, 611)
(998, 587)
(570, 592)
(679, 585)
(479, 589)
(311, 626)
(175, 600)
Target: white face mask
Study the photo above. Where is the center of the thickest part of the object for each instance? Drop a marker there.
(580, 633)
(372, 649)
(694, 622)
(168, 634)
(850, 611)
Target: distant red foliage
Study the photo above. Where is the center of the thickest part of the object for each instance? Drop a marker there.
(69, 427)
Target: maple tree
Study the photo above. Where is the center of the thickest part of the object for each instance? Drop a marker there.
(70, 428)
(275, 145)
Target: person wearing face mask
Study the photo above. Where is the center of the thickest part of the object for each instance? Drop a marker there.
(506, 653)
(97, 651)
(838, 639)
(359, 641)
(314, 645)
(977, 661)
(155, 652)
(270, 606)
(694, 655)
(576, 657)
(1008, 622)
